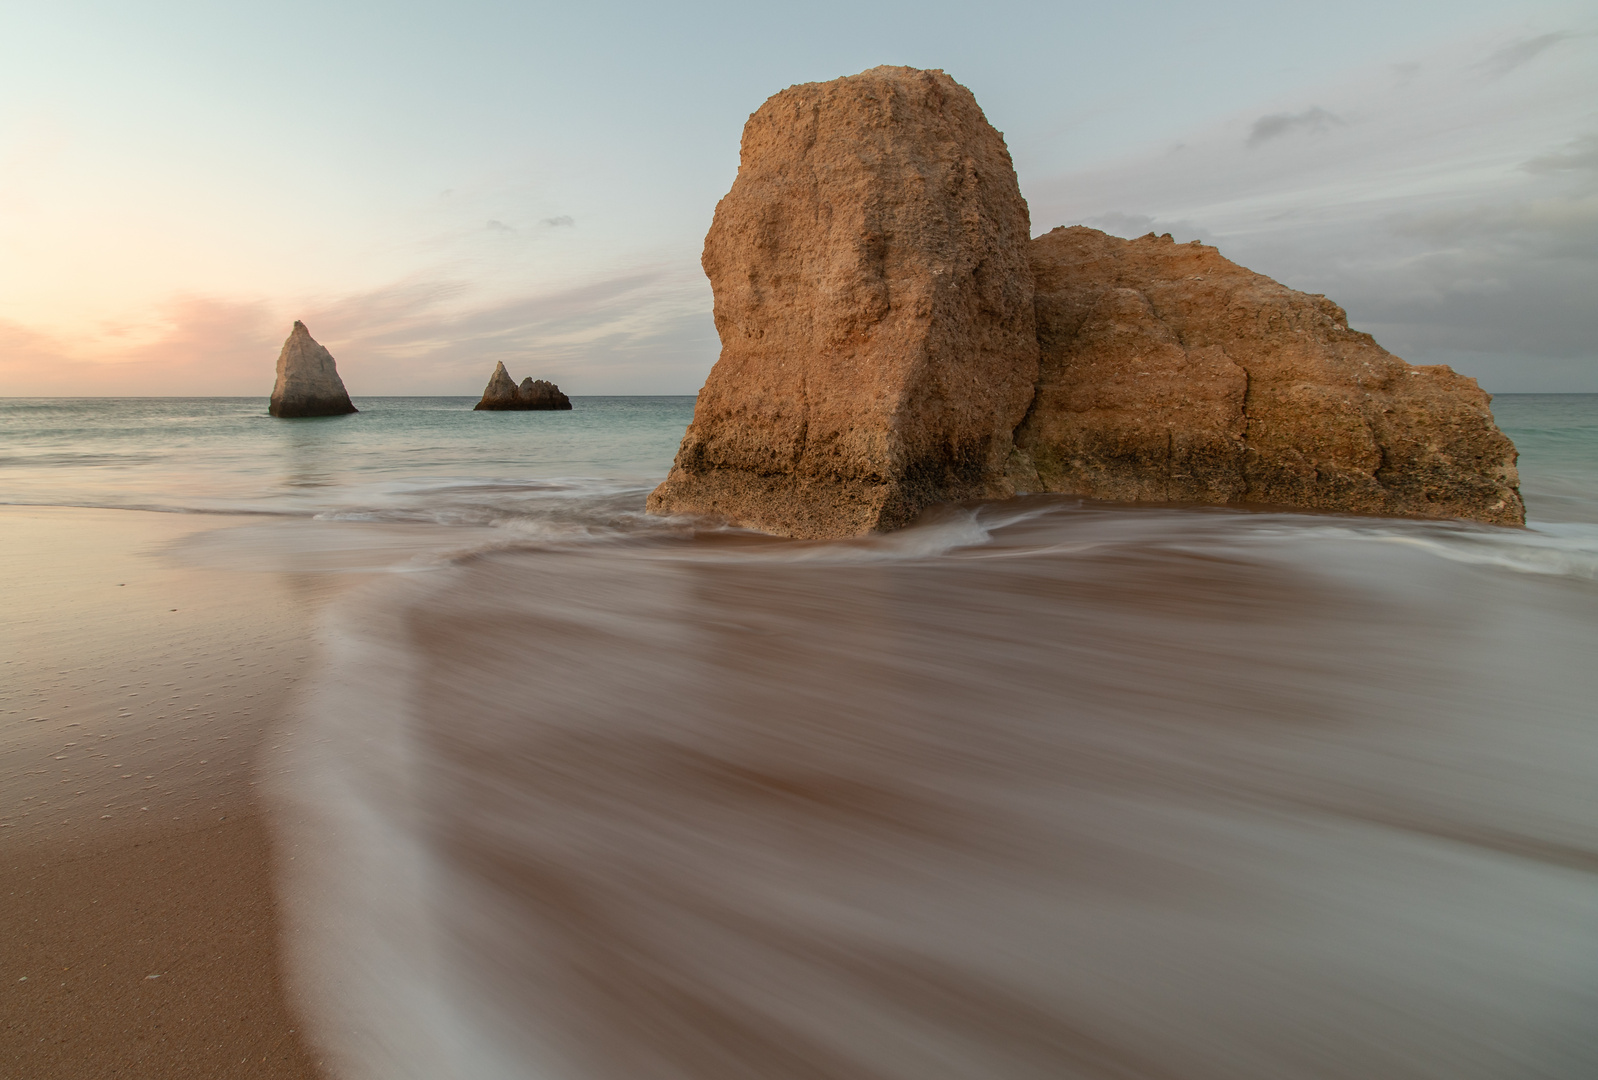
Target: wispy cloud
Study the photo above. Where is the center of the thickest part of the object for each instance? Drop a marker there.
(1507, 58)
(192, 345)
(646, 330)
(1579, 155)
(1313, 121)
(557, 222)
(642, 331)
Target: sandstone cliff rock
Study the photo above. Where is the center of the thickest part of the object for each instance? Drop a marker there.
(502, 393)
(307, 380)
(874, 302)
(1171, 374)
(541, 394)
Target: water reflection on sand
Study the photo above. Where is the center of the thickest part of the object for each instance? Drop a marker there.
(1041, 790)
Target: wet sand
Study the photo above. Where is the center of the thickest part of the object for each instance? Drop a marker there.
(138, 921)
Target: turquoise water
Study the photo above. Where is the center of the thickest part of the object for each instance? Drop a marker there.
(408, 458)
(1557, 435)
(420, 458)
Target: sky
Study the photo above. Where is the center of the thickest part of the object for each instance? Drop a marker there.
(433, 187)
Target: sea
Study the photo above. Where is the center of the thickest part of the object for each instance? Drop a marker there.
(1041, 788)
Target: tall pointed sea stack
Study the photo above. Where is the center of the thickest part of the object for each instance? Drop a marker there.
(500, 393)
(1171, 374)
(307, 380)
(874, 302)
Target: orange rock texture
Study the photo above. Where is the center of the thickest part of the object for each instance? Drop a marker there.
(890, 339)
(874, 300)
(1171, 374)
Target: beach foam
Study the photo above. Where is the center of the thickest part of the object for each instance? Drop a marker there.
(1041, 789)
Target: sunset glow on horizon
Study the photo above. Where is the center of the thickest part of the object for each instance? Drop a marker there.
(433, 190)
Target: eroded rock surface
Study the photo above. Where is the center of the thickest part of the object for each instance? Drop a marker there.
(1169, 373)
(541, 394)
(503, 393)
(874, 302)
(307, 379)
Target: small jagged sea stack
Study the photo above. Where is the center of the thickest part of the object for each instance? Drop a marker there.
(307, 380)
(502, 393)
(874, 303)
(541, 394)
(1171, 374)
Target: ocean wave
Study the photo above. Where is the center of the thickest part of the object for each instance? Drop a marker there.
(1547, 549)
(1031, 789)
(1561, 550)
(243, 510)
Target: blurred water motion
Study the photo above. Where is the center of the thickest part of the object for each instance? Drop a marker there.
(1039, 790)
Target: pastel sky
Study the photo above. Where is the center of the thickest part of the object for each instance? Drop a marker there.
(432, 187)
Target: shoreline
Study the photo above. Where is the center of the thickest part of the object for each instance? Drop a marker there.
(140, 918)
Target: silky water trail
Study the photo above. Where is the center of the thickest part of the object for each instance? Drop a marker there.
(1035, 789)
(1043, 788)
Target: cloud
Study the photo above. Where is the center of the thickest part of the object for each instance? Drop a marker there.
(556, 222)
(1554, 225)
(1315, 121)
(1405, 71)
(1580, 154)
(192, 345)
(646, 330)
(34, 364)
(643, 330)
(499, 226)
(1458, 220)
(1507, 58)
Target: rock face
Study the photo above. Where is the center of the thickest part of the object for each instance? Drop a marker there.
(1171, 374)
(503, 393)
(500, 392)
(881, 313)
(874, 302)
(541, 394)
(307, 380)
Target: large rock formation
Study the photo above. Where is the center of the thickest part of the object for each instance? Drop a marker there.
(503, 393)
(874, 294)
(1171, 374)
(874, 302)
(307, 380)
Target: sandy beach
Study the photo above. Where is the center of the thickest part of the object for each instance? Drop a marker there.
(139, 923)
